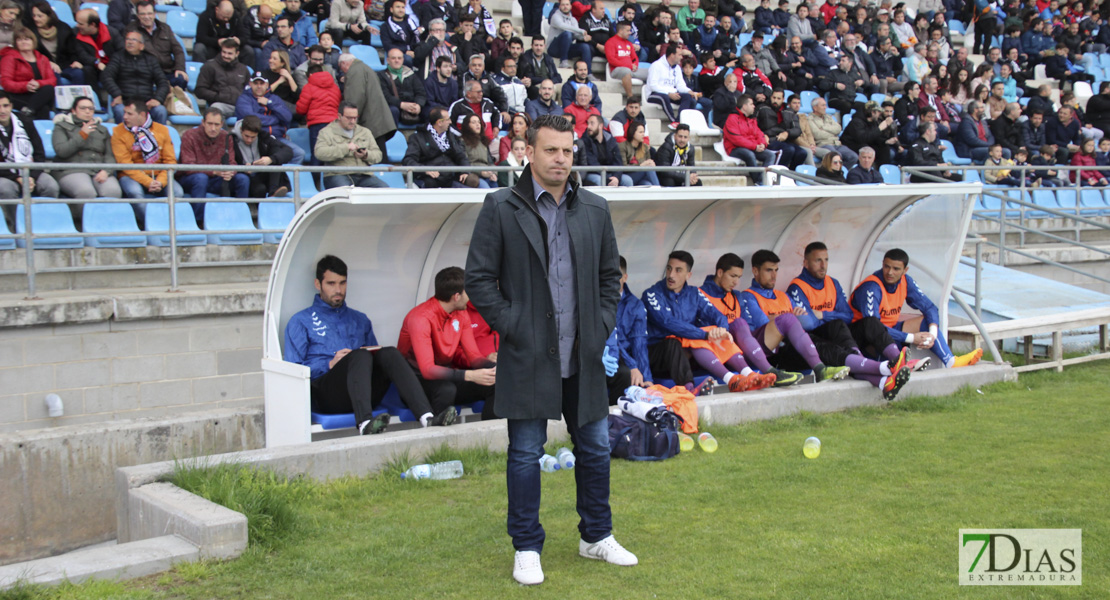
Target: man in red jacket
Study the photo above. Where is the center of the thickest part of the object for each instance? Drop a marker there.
(623, 58)
(744, 140)
(438, 341)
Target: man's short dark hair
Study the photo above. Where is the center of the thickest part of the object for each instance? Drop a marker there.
(743, 100)
(136, 102)
(682, 127)
(992, 146)
(670, 49)
(1038, 111)
(815, 247)
(449, 282)
(214, 111)
(441, 60)
(622, 25)
(516, 40)
(313, 69)
(580, 61)
(538, 38)
(683, 256)
(330, 263)
(762, 257)
(229, 43)
(80, 98)
(923, 128)
(313, 49)
(278, 21)
(1102, 87)
(144, 3)
(344, 105)
(250, 123)
(634, 99)
(556, 122)
(436, 114)
(899, 255)
(728, 261)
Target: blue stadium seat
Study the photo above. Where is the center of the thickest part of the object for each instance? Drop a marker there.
(368, 55)
(743, 40)
(157, 218)
(235, 216)
(195, 6)
(192, 69)
(949, 155)
(1045, 199)
(300, 137)
(98, 217)
(861, 97)
(972, 176)
(880, 98)
(45, 219)
(806, 170)
(808, 97)
(1065, 197)
(1092, 203)
(891, 174)
(8, 243)
(175, 138)
(308, 186)
(182, 22)
(392, 402)
(101, 10)
(274, 215)
(45, 129)
(955, 26)
(375, 40)
(1023, 101)
(189, 120)
(847, 119)
(547, 8)
(1104, 60)
(396, 147)
(64, 12)
(786, 94)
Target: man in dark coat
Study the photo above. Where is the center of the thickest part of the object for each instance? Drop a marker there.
(1006, 129)
(543, 272)
(135, 73)
(433, 146)
(676, 151)
(220, 23)
(925, 153)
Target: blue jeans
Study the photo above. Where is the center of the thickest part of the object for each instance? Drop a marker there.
(334, 181)
(643, 178)
(132, 189)
(563, 47)
(749, 158)
(158, 114)
(591, 474)
(199, 185)
(71, 76)
(595, 179)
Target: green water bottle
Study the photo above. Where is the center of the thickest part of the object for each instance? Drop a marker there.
(685, 442)
(812, 447)
(707, 442)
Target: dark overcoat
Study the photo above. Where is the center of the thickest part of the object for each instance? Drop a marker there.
(506, 279)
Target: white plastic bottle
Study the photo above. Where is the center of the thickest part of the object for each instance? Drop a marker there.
(565, 458)
(548, 463)
(639, 394)
(452, 469)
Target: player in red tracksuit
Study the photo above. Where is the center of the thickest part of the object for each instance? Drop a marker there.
(438, 341)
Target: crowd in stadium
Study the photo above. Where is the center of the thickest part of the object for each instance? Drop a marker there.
(842, 88)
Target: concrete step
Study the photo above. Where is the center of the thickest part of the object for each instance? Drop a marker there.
(122, 561)
(724, 180)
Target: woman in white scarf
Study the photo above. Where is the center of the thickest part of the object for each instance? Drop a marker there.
(516, 158)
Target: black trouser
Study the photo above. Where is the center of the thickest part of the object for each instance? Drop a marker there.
(618, 382)
(871, 336)
(833, 342)
(984, 31)
(533, 16)
(338, 35)
(845, 106)
(669, 359)
(264, 184)
(444, 394)
(39, 101)
(358, 383)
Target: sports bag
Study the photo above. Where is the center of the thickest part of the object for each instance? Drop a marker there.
(636, 439)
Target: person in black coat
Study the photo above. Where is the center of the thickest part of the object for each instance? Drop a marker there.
(597, 148)
(120, 13)
(437, 9)
(434, 146)
(830, 167)
(864, 172)
(537, 65)
(925, 153)
(841, 84)
(136, 74)
(220, 22)
(253, 146)
(403, 91)
(724, 100)
(676, 151)
(870, 128)
(1006, 129)
(1098, 107)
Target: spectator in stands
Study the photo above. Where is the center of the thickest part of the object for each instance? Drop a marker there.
(316, 56)
(690, 16)
(830, 167)
(960, 86)
(926, 153)
(20, 143)
(253, 146)
(765, 19)
(345, 143)
(518, 129)
(221, 79)
(1098, 108)
(363, 89)
(581, 110)
(1006, 129)
(841, 85)
(536, 65)
(544, 103)
(514, 90)
(654, 33)
(482, 18)
(441, 88)
(744, 140)
(331, 52)
(57, 42)
(267, 106)
(676, 151)
(567, 38)
(120, 13)
(348, 20)
(752, 81)
(598, 148)
(397, 32)
(1033, 133)
(783, 129)
(665, 85)
(219, 23)
(437, 340)
(799, 24)
(517, 157)
(476, 146)
(319, 102)
(94, 44)
(500, 44)
(630, 112)
(279, 73)
(702, 103)
(476, 71)
(402, 89)
(27, 76)
(160, 42)
(1002, 175)
(864, 172)
(635, 151)
(434, 47)
(903, 30)
(210, 144)
(1064, 132)
(974, 136)
(474, 103)
(283, 40)
(862, 62)
(871, 128)
(134, 73)
(888, 67)
(710, 79)
(350, 371)
(996, 102)
(304, 30)
(725, 100)
(79, 137)
(581, 78)
(433, 146)
(623, 58)
(1059, 66)
(140, 141)
(442, 10)
(598, 27)
(467, 42)
(259, 23)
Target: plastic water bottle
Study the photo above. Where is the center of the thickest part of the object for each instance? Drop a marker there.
(707, 442)
(452, 469)
(565, 458)
(639, 394)
(812, 447)
(549, 464)
(685, 442)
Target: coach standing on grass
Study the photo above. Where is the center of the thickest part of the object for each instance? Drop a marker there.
(543, 271)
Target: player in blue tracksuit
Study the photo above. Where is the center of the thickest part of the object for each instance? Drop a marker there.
(882, 294)
(632, 325)
(329, 338)
(676, 315)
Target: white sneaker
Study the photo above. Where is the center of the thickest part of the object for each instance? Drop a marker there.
(527, 569)
(608, 550)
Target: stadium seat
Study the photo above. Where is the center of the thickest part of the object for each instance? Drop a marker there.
(182, 22)
(188, 120)
(48, 218)
(955, 26)
(308, 186)
(1039, 72)
(696, 120)
(547, 8)
(1092, 203)
(949, 155)
(157, 218)
(1044, 199)
(194, 6)
(64, 12)
(5, 243)
(891, 174)
(45, 129)
(101, 10)
(847, 119)
(392, 403)
(861, 97)
(743, 40)
(300, 137)
(616, 128)
(880, 98)
(1066, 198)
(807, 99)
(234, 216)
(368, 55)
(192, 69)
(396, 147)
(994, 204)
(719, 146)
(806, 170)
(274, 215)
(175, 138)
(103, 217)
(395, 179)
(972, 176)
(1104, 60)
